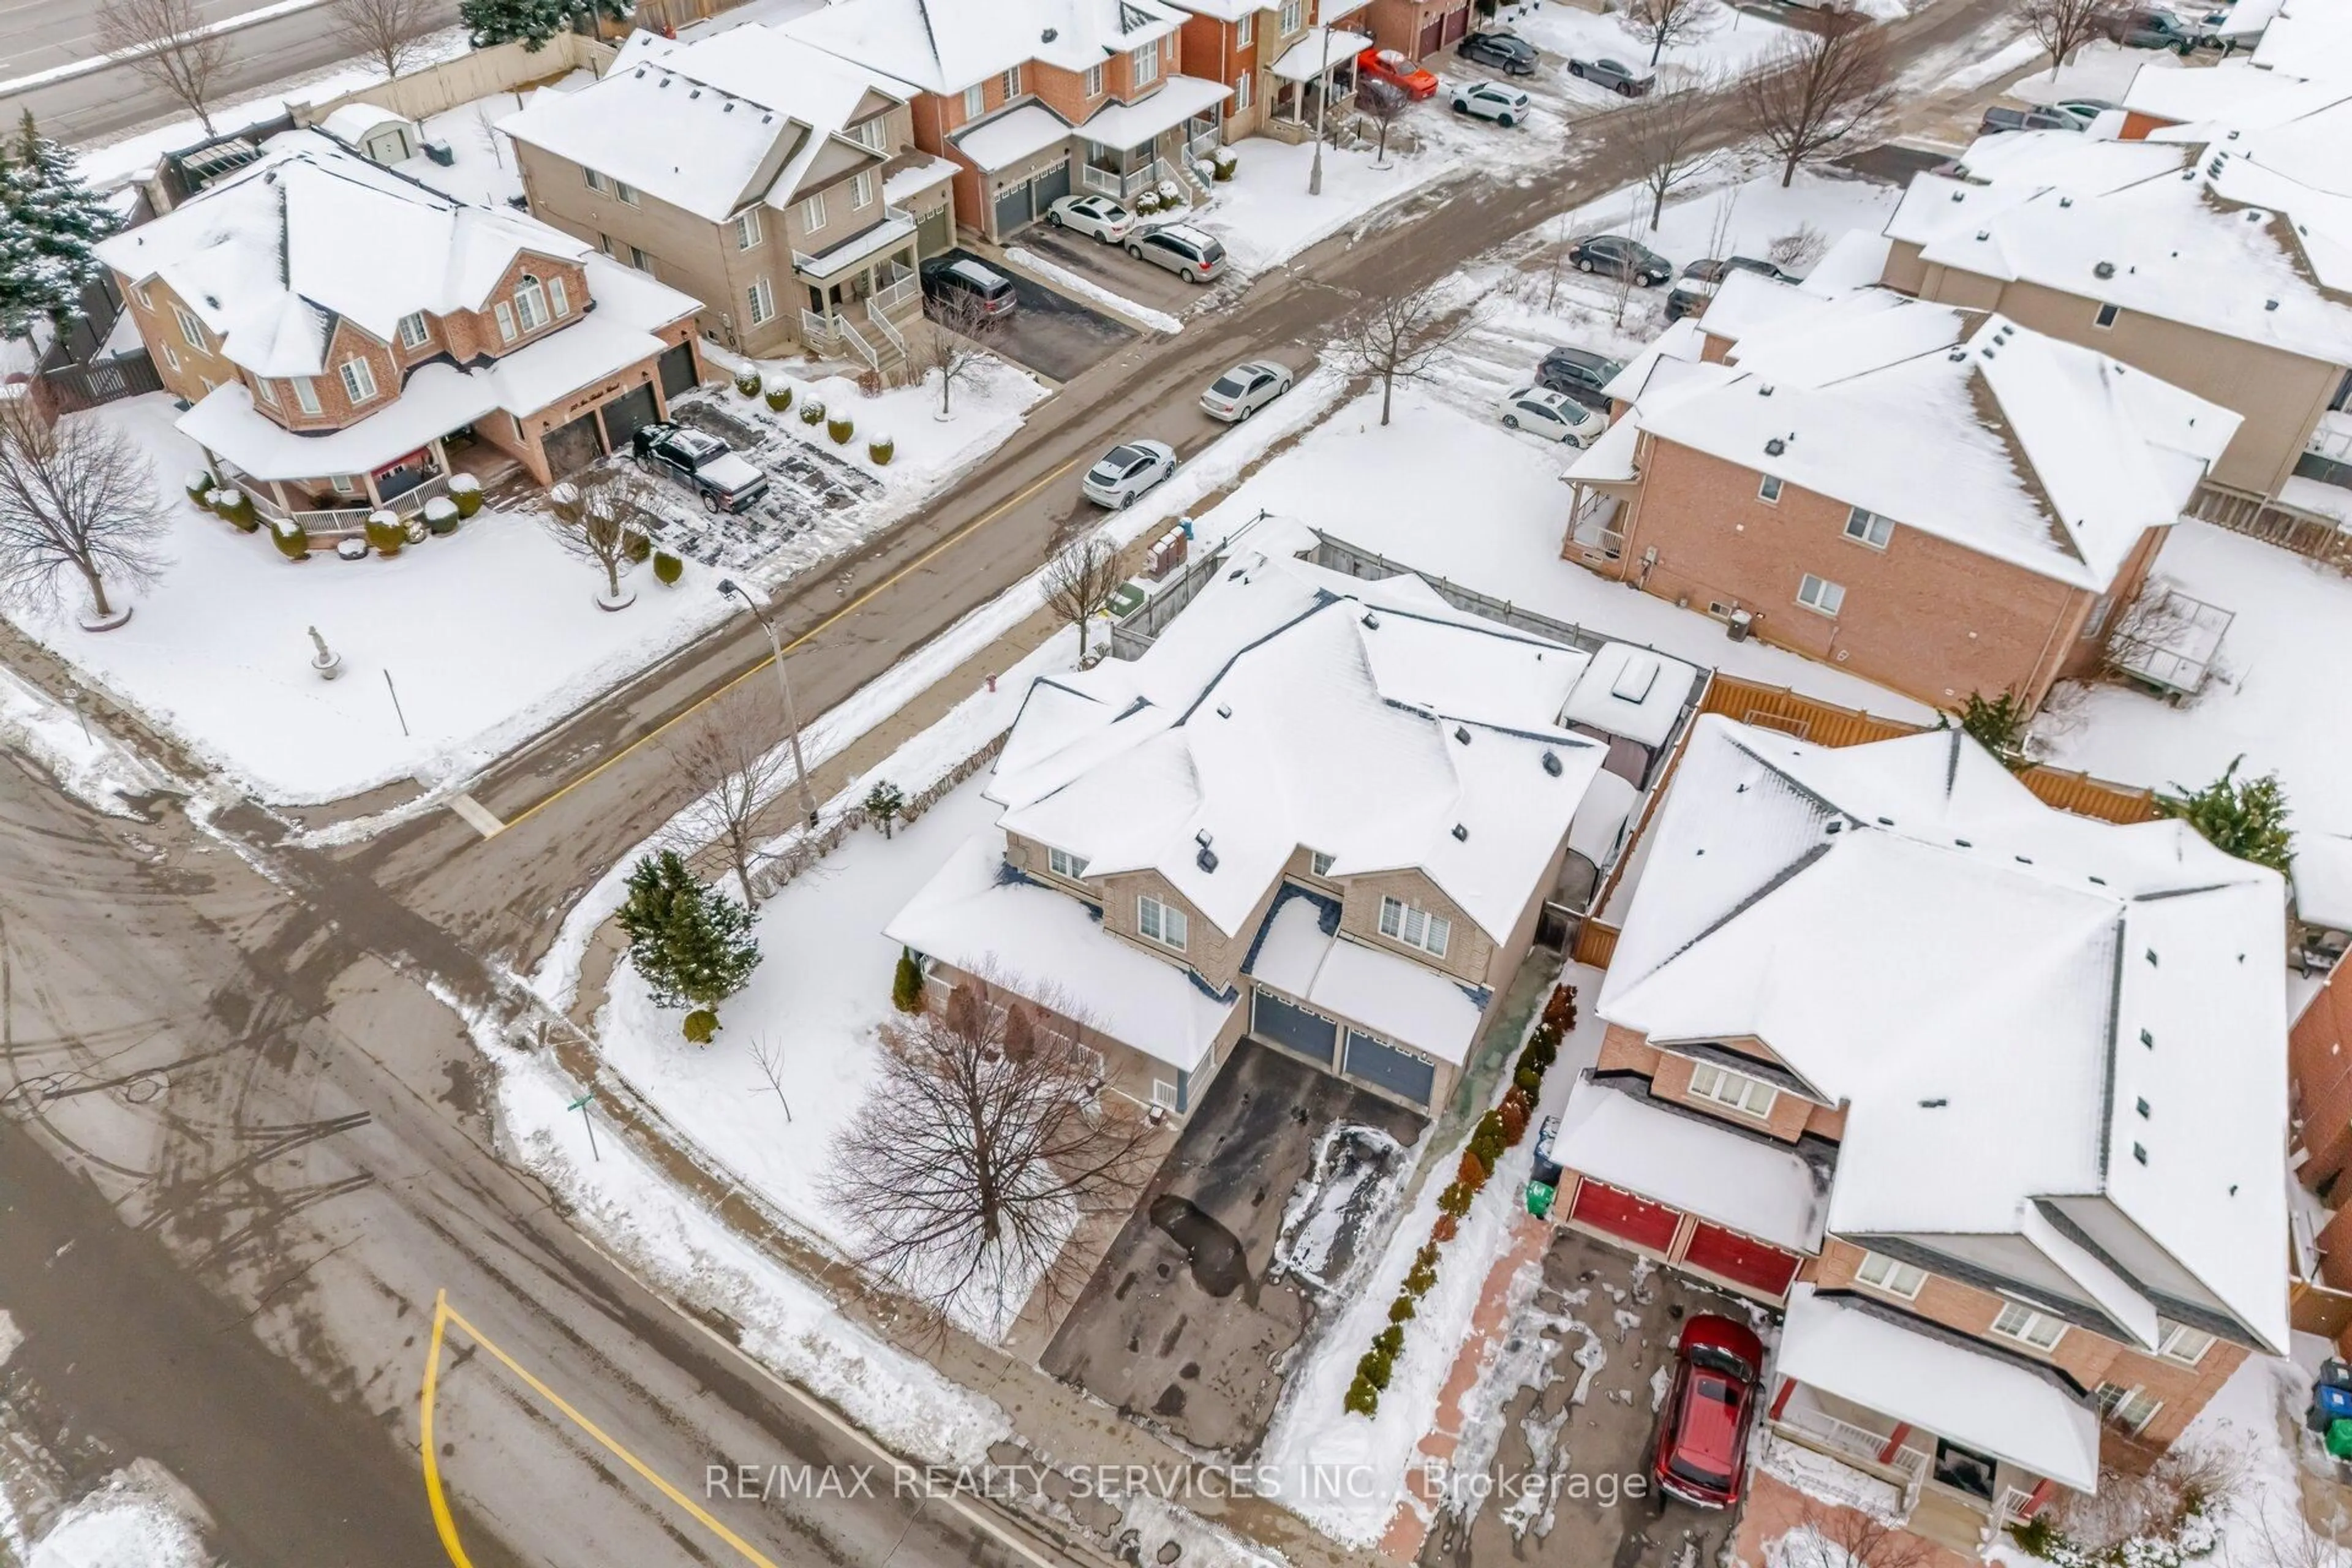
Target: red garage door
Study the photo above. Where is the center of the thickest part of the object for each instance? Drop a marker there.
(1621, 1214)
(1727, 1255)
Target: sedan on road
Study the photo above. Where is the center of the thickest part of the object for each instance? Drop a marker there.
(702, 461)
(1505, 105)
(1099, 216)
(1702, 1455)
(1506, 52)
(1554, 416)
(1244, 390)
(1127, 472)
(1400, 71)
(1615, 75)
(1614, 255)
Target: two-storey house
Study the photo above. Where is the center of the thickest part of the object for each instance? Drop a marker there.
(1939, 499)
(1989, 1098)
(1323, 812)
(337, 327)
(1035, 99)
(776, 183)
(1279, 57)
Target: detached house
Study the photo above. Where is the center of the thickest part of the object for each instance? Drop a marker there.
(1939, 499)
(341, 331)
(1035, 99)
(776, 183)
(1324, 813)
(1277, 58)
(1990, 1100)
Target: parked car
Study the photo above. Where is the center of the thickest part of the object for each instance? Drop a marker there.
(1998, 118)
(1715, 269)
(1701, 1454)
(2149, 28)
(1398, 71)
(1506, 52)
(1579, 373)
(724, 480)
(1690, 297)
(1554, 416)
(2084, 111)
(1100, 216)
(1614, 255)
(1505, 105)
(1126, 471)
(956, 280)
(1244, 390)
(1186, 251)
(1615, 75)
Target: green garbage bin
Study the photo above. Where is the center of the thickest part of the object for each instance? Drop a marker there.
(2339, 1438)
(1540, 1196)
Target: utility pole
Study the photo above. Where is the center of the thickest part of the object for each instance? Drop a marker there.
(727, 585)
(1322, 103)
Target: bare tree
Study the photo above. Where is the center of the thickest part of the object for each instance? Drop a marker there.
(770, 1058)
(598, 516)
(1815, 92)
(1079, 581)
(1383, 103)
(388, 32)
(733, 758)
(167, 42)
(77, 500)
(955, 341)
(1398, 337)
(1666, 135)
(1846, 1537)
(1659, 22)
(1797, 250)
(985, 1144)
(2062, 27)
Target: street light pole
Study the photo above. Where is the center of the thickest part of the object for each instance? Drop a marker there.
(1322, 102)
(726, 585)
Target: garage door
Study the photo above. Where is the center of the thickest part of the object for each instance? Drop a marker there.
(677, 369)
(624, 416)
(1050, 187)
(1727, 1255)
(1398, 1072)
(571, 448)
(1456, 25)
(1622, 1215)
(1012, 210)
(1294, 1029)
(1433, 38)
(933, 232)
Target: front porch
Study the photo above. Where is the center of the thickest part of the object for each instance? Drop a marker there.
(1133, 147)
(863, 292)
(1321, 67)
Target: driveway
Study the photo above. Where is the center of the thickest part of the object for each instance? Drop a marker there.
(1219, 1270)
(805, 483)
(1591, 1351)
(1052, 333)
(1111, 268)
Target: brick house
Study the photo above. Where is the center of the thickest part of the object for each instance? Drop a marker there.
(1273, 56)
(1036, 100)
(1420, 28)
(1325, 812)
(1938, 499)
(777, 183)
(339, 328)
(1989, 1100)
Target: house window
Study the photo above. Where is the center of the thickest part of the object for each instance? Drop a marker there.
(2027, 1327)
(170, 360)
(2106, 316)
(1294, 15)
(1013, 83)
(415, 331)
(530, 304)
(874, 135)
(626, 192)
(975, 101)
(1163, 1095)
(2182, 1343)
(1062, 863)
(1163, 923)
(1869, 527)
(813, 212)
(747, 228)
(559, 300)
(1319, 863)
(343, 484)
(138, 293)
(1749, 1096)
(1094, 81)
(1147, 64)
(762, 302)
(2129, 1409)
(2096, 621)
(1880, 1272)
(1821, 595)
(192, 331)
(305, 395)
(1768, 490)
(1415, 928)
(1245, 30)
(642, 260)
(267, 392)
(862, 191)
(1241, 85)
(505, 319)
(359, 381)
(595, 181)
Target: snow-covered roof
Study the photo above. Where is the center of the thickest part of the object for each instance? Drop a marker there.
(2306, 37)
(1756, 1188)
(1906, 926)
(1974, 1397)
(946, 45)
(353, 122)
(1051, 949)
(2323, 880)
(1291, 706)
(1390, 995)
(711, 125)
(1020, 132)
(2235, 92)
(1118, 124)
(1855, 259)
(1631, 691)
(2037, 452)
(270, 257)
(1308, 57)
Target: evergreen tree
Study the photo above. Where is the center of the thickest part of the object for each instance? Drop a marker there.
(2246, 818)
(884, 802)
(692, 944)
(52, 221)
(534, 21)
(1997, 724)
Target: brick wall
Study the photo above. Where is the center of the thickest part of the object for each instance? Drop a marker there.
(1470, 953)
(184, 367)
(2319, 1064)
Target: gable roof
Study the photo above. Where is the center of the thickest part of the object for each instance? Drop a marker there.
(946, 45)
(1993, 987)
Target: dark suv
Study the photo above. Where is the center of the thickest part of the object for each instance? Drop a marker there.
(959, 281)
(725, 480)
(1614, 255)
(1579, 374)
(1507, 52)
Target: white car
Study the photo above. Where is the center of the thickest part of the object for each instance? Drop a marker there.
(1127, 472)
(1100, 216)
(1244, 390)
(1505, 105)
(1554, 416)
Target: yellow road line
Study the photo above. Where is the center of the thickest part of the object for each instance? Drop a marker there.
(443, 1520)
(443, 1314)
(958, 537)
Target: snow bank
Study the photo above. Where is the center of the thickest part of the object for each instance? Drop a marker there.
(140, 1517)
(1086, 288)
(87, 763)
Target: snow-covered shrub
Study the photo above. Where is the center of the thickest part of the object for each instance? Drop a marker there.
(384, 532)
(667, 568)
(235, 507)
(291, 541)
(467, 491)
(881, 448)
(199, 487)
(841, 428)
(779, 397)
(813, 412)
(441, 516)
(747, 382)
(2164, 1519)
(1224, 162)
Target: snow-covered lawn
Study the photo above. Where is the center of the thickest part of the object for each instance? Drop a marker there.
(1265, 215)
(1732, 41)
(2273, 696)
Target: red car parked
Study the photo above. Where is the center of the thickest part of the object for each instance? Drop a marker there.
(1701, 1454)
(1407, 76)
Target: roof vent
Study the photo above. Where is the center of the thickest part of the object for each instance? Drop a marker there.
(1207, 858)
(2140, 1153)
(1462, 734)
(2151, 958)
(1957, 356)
(1775, 446)
(1461, 834)
(728, 107)
(1372, 621)
(1835, 828)
(1049, 34)
(665, 81)
(1936, 1104)
(2065, 200)
(2254, 217)
(1552, 764)
(1203, 838)
(2100, 880)
(2104, 269)
(2148, 1039)
(2142, 1109)
(1885, 822)
(1964, 843)
(1959, 196)
(2233, 136)
(2025, 860)
(1225, 710)
(641, 71)
(2270, 304)
(696, 93)
(1764, 390)
(1984, 234)
(1989, 353)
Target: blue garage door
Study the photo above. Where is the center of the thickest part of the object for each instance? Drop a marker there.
(1377, 1061)
(1294, 1029)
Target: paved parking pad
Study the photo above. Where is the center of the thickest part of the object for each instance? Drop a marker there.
(1111, 268)
(1052, 333)
(1270, 1190)
(805, 484)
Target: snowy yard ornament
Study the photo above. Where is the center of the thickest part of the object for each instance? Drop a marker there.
(326, 663)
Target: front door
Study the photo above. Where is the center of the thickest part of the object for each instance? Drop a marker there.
(1964, 1470)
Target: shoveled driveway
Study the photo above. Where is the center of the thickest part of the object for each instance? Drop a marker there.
(1050, 333)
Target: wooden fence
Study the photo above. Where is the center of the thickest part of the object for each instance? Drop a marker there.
(1596, 944)
(478, 73)
(2305, 533)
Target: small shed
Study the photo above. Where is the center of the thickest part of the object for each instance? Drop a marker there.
(2322, 900)
(378, 134)
(1632, 698)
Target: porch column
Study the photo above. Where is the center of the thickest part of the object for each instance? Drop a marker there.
(1780, 1399)
(278, 489)
(367, 483)
(1894, 1442)
(2041, 1495)
(439, 448)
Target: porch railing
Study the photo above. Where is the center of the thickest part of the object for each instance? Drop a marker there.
(881, 323)
(858, 339)
(2015, 1506)
(339, 522)
(1110, 183)
(890, 296)
(819, 332)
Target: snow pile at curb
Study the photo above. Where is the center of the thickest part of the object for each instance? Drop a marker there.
(1086, 289)
(140, 1518)
(87, 763)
